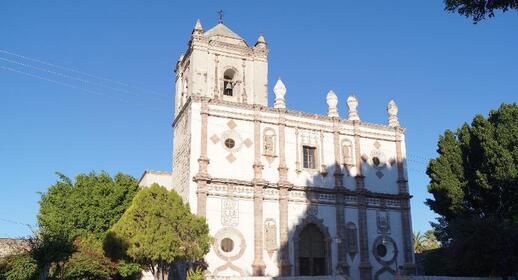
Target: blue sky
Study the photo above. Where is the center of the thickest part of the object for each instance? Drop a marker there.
(440, 68)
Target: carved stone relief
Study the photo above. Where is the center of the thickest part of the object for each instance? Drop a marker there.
(312, 210)
(229, 212)
(270, 236)
(383, 222)
(229, 245)
(269, 145)
(231, 140)
(385, 250)
(352, 239)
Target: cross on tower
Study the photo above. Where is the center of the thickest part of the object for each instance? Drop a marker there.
(221, 14)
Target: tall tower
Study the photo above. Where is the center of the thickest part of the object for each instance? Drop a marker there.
(220, 64)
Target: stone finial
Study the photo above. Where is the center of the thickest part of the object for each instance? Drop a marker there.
(332, 102)
(198, 29)
(392, 111)
(280, 91)
(261, 42)
(352, 105)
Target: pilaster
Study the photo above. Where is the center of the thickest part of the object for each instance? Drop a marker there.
(365, 266)
(216, 76)
(284, 185)
(258, 265)
(203, 177)
(342, 268)
(408, 266)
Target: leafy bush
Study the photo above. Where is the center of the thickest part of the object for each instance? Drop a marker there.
(195, 274)
(19, 267)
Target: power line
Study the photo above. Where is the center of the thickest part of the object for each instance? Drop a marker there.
(82, 73)
(69, 85)
(73, 78)
(17, 223)
(58, 82)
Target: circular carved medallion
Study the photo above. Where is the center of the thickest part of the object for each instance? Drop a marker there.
(385, 250)
(229, 244)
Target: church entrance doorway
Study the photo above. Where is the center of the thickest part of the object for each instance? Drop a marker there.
(312, 252)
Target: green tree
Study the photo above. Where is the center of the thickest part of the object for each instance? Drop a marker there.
(418, 241)
(88, 262)
(158, 229)
(424, 242)
(474, 183)
(479, 9)
(86, 207)
(195, 274)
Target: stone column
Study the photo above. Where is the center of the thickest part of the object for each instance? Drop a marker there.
(258, 183)
(365, 266)
(284, 185)
(342, 268)
(244, 98)
(202, 178)
(408, 266)
(216, 77)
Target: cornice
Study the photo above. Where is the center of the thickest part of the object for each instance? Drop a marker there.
(317, 190)
(330, 120)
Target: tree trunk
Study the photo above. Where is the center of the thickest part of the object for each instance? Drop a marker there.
(161, 272)
(44, 273)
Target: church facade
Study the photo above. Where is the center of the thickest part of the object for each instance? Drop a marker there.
(285, 193)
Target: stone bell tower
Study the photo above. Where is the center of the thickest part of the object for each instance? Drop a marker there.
(220, 64)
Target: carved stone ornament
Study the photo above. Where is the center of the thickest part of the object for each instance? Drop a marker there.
(332, 102)
(378, 159)
(280, 91)
(269, 141)
(270, 236)
(351, 239)
(222, 239)
(229, 212)
(312, 210)
(347, 153)
(392, 111)
(235, 137)
(384, 250)
(352, 105)
(383, 222)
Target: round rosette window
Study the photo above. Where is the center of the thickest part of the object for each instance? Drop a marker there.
(232, 141)
(378, 159)
(385, 250)
(229, 244)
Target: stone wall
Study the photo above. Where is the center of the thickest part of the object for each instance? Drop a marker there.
(9, 246)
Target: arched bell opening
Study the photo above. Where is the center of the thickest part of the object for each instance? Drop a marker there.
(229, 82)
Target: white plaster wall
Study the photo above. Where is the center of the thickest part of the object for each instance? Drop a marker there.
(388, 182)
(159, 177)
(220, 165)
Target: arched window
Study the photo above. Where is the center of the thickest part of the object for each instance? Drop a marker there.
(229, 82)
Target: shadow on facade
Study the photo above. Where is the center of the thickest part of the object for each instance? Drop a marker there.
(324, 242)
